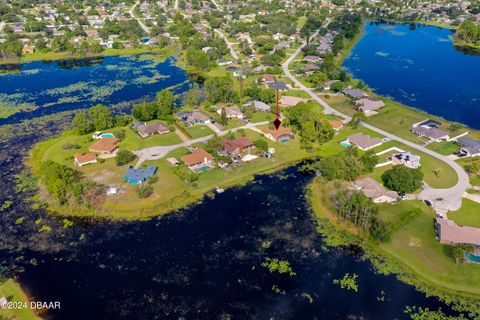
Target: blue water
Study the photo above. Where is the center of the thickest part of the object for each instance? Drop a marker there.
(421, 68)
(50, 87)
(473, 258)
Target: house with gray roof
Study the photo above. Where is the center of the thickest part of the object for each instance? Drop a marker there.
(469, 146)
(150, 129)
(355, 93)
(433, 134)
(258, 105)
(278, 85)
(364, 142)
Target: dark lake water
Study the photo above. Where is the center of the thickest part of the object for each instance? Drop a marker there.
(205, 263)
(421, 68)
(53, 86)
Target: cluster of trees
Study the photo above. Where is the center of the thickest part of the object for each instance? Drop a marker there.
(265, 95)
(347, 165)
(220, 89)
(11, 50)
(124, 157)
(311, 24)
(307, 119)
(403, 179)
(97, 118)
(163, 108)
(468, 32)
(64, 184)
(362, 212)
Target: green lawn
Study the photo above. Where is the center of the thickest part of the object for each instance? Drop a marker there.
(261, 117)
(444, 147)
(199, 131)
(233, 123)
(13, 292)
(413, 244)
(468, 215)
(133, 141)
(297, 93)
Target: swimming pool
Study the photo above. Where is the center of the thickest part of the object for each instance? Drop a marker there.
(345, 144)
(205, 168)
(472, 258)
(107, 135)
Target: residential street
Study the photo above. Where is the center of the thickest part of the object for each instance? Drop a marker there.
(451, 198)
(144, 27)
(229, 45)
(155, 153)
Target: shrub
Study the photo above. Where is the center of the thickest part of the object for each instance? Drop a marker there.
(144, 191)
(124, 157)
(403, 179)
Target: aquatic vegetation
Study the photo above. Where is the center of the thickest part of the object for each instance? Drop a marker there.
(277, 265)
(79, 86)
(348, 282)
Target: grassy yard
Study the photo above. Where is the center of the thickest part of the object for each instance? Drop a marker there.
(199, 131)
(262, 116)
(297, 93)
(169, 192)
(233, 123)
(12, 291)
(413, 244)
(445, 147)
(133, 141)
(468, 215)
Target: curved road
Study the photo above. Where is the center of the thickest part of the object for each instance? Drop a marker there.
(144, 27)
(443, 200)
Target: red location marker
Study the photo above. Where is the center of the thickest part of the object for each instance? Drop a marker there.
(277, 123)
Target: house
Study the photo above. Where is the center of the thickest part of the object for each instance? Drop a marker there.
(328, 84)
(283, 134)
(355, 93)
(433, 134)
(105, 146)
(408, 159)
(469, 147)
(81, 159)
(429, 123)
(235, 147)
(137, 176)
(336, 124)
(258, 105)
(369, 105)
(308, 69)
(451, 233)
(173, 162)
(289, 101)
(28, 49)
(372, 189)
(192, 118)
(280, 86)
(232, 112)
(199, 160)
(267, 78)
(364, 142)
(150, 129)
(312, 59)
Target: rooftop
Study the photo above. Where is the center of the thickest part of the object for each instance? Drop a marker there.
(450, 232)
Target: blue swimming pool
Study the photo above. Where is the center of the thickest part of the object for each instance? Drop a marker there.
(205, 168)
(107, 135)
(472, 258)
(345, 144)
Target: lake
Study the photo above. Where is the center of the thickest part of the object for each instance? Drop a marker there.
(419, 67)
(38, 88)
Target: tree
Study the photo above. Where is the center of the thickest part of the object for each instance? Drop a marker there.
(193, 97)
(403, 179)
(165, 103)
(59, 179)
(458, 251)
(223, 117)
(261, 144)
(124, 156)
(81, 123)
(220, 89)
(101, 116)
(144, 190)
(145, 111)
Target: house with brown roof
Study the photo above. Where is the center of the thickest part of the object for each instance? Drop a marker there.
(336, 124)
(267, 78)
(199, 160)
(369, 105)
(283, 134)
(192, 118)
(289, 101)
(364, 142)
(450, 233)
(105, 146)
(232, 112)
(150, 129)
(28, 49)
(235, 147)
(433, 134)
(372, 189)
(81, 159)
